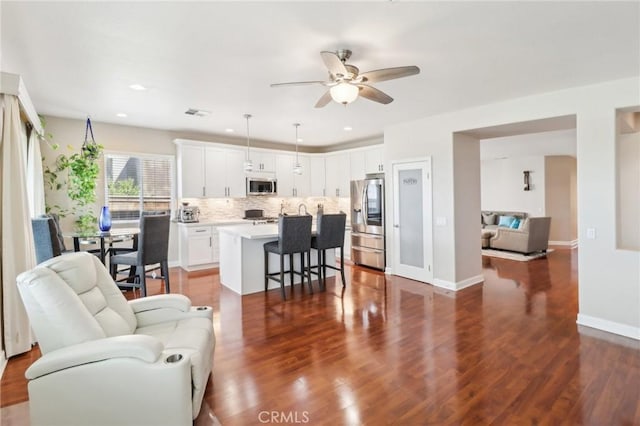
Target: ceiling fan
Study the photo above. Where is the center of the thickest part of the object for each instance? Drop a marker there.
(346, 82)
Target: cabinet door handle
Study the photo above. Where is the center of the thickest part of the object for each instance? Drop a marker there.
(203, 193)
(210, 242)
(201, 230)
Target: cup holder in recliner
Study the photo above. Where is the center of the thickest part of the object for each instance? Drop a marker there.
(173, 358)
(202, 308)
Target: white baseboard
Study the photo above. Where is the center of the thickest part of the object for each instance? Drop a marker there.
(455, 286)
(173, 263)
(388, 270)
(609, 326)
(572, 243)
(3, 363)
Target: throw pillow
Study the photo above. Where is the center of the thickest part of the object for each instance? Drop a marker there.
(506, 221)
(489, 218)
(515, 224)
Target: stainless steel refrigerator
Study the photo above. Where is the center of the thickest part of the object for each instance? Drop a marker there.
(367, 222)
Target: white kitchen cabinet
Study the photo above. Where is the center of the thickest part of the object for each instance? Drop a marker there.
(338, 175)
(190, 171)
(289, 183)
(357, 165)
(224, 173)
(196, 247)
(373, 160)
(263, 162)
(316, 176)
(205, 172)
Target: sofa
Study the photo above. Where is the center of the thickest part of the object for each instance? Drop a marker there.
(109, 361)
(531, 236)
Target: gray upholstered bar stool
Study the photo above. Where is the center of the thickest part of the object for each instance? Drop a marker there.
(329, 235)
(294, 236)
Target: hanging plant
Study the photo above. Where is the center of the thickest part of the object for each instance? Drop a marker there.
(77, 174)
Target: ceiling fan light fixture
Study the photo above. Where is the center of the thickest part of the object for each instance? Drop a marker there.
(344, 93)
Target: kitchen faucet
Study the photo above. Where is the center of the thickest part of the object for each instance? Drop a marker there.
(301, 205)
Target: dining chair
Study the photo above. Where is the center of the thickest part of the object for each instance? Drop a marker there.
(294, 237)
(329, 235)
(152, 249)
(45, 238)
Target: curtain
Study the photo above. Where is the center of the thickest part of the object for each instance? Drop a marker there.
(35, 176)
(17, 253)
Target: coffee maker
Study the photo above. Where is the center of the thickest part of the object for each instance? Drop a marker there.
(187, 213)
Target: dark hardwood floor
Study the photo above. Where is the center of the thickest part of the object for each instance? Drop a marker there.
(388, 350)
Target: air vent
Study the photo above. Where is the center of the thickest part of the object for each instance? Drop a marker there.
(197, 112)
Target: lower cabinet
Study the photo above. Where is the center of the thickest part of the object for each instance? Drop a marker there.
(347, 246)
(198, 247)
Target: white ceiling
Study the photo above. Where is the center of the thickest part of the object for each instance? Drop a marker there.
(78, 58)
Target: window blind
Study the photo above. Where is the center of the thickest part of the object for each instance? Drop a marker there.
(136, 184)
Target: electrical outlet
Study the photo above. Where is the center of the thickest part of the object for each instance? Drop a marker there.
(441, 221)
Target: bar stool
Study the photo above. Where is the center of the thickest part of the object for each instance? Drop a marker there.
(329, 235)
(294, 236)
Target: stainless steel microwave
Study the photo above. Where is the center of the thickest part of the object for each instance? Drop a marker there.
(262, 186)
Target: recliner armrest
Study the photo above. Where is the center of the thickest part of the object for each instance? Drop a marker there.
(161, 301)
(144, 348)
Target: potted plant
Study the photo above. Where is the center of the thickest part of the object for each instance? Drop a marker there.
(77, 175)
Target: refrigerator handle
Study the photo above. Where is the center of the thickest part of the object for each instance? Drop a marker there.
(365, 207)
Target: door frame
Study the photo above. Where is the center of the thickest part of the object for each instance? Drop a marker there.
(426, 274)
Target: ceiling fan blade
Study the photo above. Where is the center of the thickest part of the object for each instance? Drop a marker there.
(298, 83)
(374, 94)
(334, 64)
(324, 99)
(389, 73)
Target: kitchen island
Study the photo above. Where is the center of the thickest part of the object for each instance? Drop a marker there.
(242, 258)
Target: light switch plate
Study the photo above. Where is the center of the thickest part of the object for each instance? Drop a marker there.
(441, 221)
(591, 233)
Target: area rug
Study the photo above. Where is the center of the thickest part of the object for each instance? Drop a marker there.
(513, 256)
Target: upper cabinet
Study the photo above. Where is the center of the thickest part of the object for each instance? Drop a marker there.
(374, 162)
(263, 162)
(317, 176)
(224, 173)
(190, 171)
(205, 172)
(365, 161)
(289, 183)
(338, 174)
(209, 170)
(356, 164)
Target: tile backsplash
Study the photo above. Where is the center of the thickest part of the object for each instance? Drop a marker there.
(233, 208)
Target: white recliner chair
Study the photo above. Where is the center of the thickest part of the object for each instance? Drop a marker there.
(109, 361)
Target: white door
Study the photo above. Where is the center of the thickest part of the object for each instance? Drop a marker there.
(412, 212)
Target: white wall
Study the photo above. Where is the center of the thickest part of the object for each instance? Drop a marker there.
(503, 185)
(609, 293)
(557, 142)
(628, 192)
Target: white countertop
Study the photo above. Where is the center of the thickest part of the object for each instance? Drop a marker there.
(252, 232)
(217, 222)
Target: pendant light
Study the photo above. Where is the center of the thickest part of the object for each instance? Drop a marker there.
(297, 168)
(248, 164)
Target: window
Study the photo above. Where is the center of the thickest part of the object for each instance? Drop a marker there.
(137, 183)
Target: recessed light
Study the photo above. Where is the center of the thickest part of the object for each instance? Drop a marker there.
(229, 130)
(300, 140)
(137, 87)
(348, 128)
(121, 115)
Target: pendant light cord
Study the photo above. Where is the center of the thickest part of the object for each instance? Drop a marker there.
(296, 126)
(248, 116)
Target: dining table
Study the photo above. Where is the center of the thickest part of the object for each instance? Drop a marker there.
(105, 239)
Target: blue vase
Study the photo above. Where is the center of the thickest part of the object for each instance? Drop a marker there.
(104, 222)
